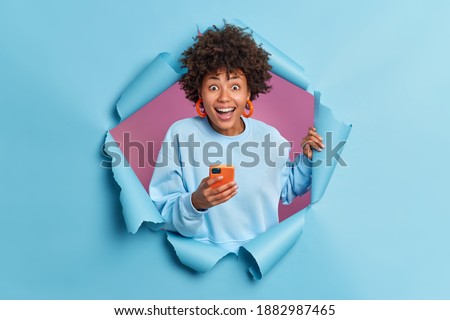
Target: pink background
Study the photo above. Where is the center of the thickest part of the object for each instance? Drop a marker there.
(287, 108)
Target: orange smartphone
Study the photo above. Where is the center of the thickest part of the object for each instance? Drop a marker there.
(222, 170)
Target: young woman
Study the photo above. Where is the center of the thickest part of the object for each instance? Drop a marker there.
(227, 70)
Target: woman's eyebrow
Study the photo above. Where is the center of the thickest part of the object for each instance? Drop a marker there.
(213, 77)
(235, 76)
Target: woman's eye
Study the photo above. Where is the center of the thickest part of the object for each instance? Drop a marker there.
(213, 88)
(235, 87)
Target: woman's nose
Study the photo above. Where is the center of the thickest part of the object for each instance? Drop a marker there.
(224, 96)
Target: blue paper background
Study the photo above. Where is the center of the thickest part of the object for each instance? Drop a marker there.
(381, 231)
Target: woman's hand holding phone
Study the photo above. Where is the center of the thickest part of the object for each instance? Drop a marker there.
(211, 192)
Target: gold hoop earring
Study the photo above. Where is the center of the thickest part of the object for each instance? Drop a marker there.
(201, 113)
(249, 107)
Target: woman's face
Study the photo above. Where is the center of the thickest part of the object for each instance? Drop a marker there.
(224, 99)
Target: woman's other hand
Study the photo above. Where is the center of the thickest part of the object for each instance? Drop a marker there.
(312, 140)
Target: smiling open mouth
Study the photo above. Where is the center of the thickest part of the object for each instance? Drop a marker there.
(225, 113)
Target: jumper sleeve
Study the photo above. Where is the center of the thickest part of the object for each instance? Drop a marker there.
(173, 201)
(298, 180)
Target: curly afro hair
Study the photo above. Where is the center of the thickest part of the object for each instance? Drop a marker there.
(231, 48)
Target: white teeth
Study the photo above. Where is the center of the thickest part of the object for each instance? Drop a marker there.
(225, 109)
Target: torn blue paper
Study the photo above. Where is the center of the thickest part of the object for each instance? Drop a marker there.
(196, 255)
(281, 64)
(137, 207)
(263, 252)
(335, 134)
(159, 75)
